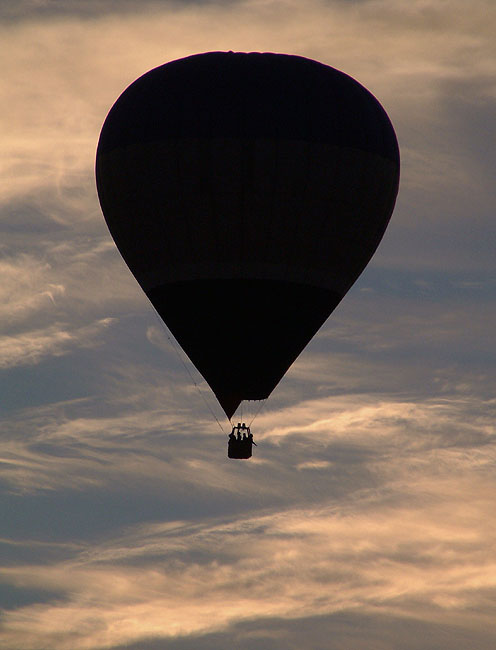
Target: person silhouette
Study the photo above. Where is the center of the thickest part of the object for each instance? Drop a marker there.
(240, 446)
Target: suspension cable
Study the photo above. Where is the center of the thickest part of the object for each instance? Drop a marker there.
(262, 404)
(175, 347)
(257, 412)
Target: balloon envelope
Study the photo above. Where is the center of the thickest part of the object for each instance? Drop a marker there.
(246, 193)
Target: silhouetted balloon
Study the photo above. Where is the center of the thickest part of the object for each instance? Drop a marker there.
(246, 193)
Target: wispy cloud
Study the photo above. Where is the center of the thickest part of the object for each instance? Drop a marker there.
(369, 499)
(31, 347)
(398, 555)
(378, 508)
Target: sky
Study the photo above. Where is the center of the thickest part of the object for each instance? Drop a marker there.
(365, 519)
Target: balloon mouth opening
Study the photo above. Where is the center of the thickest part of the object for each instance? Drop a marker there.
(230, 404)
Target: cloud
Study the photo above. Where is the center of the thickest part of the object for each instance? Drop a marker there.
(339, 630)
(31, 347)
(356, 507)
(425, 558)
(66, 280)
(347, 441)
(43, 292)
(48, 10)
(430, 64)
(369, 498)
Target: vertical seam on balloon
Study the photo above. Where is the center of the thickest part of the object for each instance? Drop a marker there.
(275, 183)
(160, 210)
(214, 218)
(210, 234)
(248, 190)
(182, 213)
(324, 220)
(301, 220)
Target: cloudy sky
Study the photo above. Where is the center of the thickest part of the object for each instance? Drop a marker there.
(366, 519)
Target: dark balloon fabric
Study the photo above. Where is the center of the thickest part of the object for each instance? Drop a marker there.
(246, 193)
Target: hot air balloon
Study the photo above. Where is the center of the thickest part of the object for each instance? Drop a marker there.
(246, 192)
